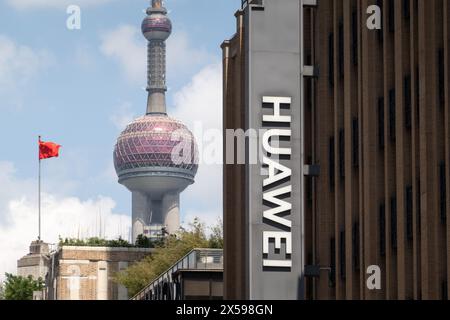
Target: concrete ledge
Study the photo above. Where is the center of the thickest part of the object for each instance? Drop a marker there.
(106, 249)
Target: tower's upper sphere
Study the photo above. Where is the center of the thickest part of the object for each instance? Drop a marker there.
(156, 26)
(156, 145)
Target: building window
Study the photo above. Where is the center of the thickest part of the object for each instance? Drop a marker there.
(355, 37)
(406, 9)
(407, 94)
(333, 261)
(382, 230)
(442, 193)
(341, 50)
(380, 32)
(381, 123)
(355, 246)
(445, 290)
(355, 142)
(394, 223)
(419, 208)
(342, 154)
(309, 185)
(441, 75)
(392, 115)
(391, 14)
(331, 157)
(409, 212)
(417, 97)
(331, 59)
(342, 255)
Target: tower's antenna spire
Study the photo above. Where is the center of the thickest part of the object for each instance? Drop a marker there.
(157, 3)
(156, 28)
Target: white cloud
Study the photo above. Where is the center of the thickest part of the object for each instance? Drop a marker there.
(209, 218)
(127, 46)
(184, 55)
(109, 173)
(64, 216)
(57, 4)
(201, 99)
(122, 116)
(7, 178)
(200, 104)
(83, 56)
(19, 63)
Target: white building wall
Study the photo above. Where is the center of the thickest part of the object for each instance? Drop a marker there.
(102, 280)
(74, 282)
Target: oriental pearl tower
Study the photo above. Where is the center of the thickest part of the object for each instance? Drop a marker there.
(155, 156)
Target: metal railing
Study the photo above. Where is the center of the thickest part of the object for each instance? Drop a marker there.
(165, 288)
(245, 3)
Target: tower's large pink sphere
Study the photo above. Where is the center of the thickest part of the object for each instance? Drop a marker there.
(156, 145)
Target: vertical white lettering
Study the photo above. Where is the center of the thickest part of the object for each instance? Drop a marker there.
(282, 206)
(279, 133)
(277, 102)
(276, 199)
(277, 172)
(278, 237)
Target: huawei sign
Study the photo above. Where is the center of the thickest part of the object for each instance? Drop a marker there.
(277, 174)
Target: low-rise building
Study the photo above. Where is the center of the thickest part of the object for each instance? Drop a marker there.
(197, 276)
(87, 273)
(36, 262)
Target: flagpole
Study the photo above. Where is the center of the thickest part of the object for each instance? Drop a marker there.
(39, 192)
(46, 150)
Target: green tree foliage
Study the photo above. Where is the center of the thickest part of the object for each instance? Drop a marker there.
(95, 242)
(141, 242)
(21, 288)
(145, 242)
(2, 292)
(216, 238)
(173, 248)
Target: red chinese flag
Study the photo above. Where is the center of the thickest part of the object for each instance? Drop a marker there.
(48, 150)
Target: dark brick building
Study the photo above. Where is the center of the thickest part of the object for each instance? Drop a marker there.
(377, 123)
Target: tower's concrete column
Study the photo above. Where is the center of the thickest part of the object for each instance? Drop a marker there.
(171, 211)
(141, 210)
(147, 211)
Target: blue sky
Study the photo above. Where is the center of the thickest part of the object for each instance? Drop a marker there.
(78, 88)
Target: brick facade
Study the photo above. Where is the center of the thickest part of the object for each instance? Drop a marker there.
(87, 273)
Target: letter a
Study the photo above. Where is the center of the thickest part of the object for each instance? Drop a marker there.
(74, 20)
(374, 281)
(374, 21)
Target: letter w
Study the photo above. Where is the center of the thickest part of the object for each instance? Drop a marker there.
(282, 206)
